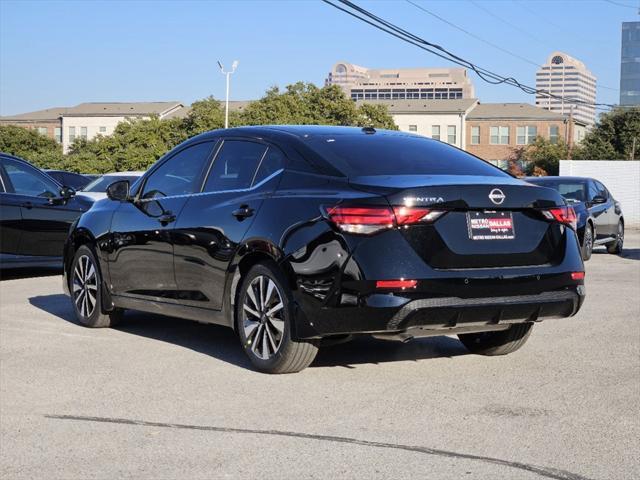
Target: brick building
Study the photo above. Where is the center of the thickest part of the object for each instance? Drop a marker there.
(493, 130)
(47, 122)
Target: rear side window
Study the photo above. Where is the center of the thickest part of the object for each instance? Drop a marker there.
(234, 166)
(272, 162)
(179, 175)
(380, 154)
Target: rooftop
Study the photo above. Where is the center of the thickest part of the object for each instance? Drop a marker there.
(512, 111)
(98, 109)
(425, 106)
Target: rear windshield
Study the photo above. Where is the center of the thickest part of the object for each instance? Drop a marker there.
(101, 184)
(380, 154)
(571, 190)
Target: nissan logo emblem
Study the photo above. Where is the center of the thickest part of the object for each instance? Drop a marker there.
(496, 196)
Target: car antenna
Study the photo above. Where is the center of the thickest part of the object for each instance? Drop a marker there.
(369, 130)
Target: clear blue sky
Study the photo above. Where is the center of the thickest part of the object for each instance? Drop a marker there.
(61, 53)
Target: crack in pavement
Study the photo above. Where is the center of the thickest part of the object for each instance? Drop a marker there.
(546, 472)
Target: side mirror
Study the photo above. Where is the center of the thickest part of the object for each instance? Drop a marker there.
(67, 192)
(118, 191)
(598, 199)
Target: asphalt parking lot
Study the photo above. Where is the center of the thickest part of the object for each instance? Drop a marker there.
(163, 398)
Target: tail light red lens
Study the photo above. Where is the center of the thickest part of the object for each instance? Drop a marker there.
(366, 220)
(396, 284)
(577, 275)
(564, 215)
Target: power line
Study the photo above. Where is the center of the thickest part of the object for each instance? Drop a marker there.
(408, 37)
(621, 4)
(473, 35)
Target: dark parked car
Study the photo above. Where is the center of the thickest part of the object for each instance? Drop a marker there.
(298, 235)
(35, 215)
(600, 220)
(70, 179)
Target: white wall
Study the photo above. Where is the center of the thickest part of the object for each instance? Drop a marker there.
(425, 121)
(621, 177)
(92, 124)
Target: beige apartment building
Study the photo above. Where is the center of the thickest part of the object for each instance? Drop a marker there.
(361, 83)
(494, 130)
(569, 78)
(87, 120)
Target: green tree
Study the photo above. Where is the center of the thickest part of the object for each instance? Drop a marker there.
(30, 145)
(305, 104)
(540, 157)
(612, 137)
(206, 114)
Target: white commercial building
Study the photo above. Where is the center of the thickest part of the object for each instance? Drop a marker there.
(443, 120)
(569, 79)
(361, 83)
(88, 120)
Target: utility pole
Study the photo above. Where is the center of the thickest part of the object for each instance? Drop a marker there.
(234, 65)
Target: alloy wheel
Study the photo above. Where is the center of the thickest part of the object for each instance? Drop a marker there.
(85, 286)
(620, 235)
(588, 239)
(262, 317)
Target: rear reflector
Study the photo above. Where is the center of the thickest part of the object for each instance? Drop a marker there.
(396, 283)
(577, 275)
(564, 215)
(371, 219)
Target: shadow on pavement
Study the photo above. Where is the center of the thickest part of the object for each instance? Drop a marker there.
(222, 343)
(629, 253)
(16, 273)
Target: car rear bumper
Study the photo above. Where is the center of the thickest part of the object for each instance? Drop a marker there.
(392, 313)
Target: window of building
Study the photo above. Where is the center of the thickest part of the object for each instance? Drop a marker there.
(72, 134)
(57, 134)
(475, 135)
(83, 133)
(42, 130)
(499, 135)
(451, 134)
(554, 133)
(102, 130)
(435, 132)
(527, 135)
(413, 128)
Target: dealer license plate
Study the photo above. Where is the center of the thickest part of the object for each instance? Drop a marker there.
(490, 225)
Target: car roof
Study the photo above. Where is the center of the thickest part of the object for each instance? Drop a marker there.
(556, 178)
(298, 131)
(133, 174)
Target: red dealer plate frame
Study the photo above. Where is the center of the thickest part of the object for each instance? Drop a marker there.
(491, 225)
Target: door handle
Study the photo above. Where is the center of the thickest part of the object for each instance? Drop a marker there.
(243, 212)
(167, 218)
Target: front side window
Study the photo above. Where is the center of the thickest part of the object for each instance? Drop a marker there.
(27, 180)
(554, 133)
(234, 166)
(435, 132)
(475, 135)
(180, 174)
(451, 134)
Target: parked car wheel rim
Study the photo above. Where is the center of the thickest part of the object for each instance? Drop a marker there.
(85, 286)
(262, 317)
(588, 239)
(620, 234)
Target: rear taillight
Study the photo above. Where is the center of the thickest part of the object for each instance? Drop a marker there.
(564, 215)
(366, 220)
(577, 275)
(396, 284)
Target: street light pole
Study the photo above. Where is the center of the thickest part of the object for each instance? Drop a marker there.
(234, 65)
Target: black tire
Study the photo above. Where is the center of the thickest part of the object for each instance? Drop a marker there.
(615, 247)
(587, 242)
(497, 343)
(85, 286)
(266, 338)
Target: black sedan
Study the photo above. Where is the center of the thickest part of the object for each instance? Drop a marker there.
(74, 180)
(600, 219)
(35, 215)
(298, 235)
